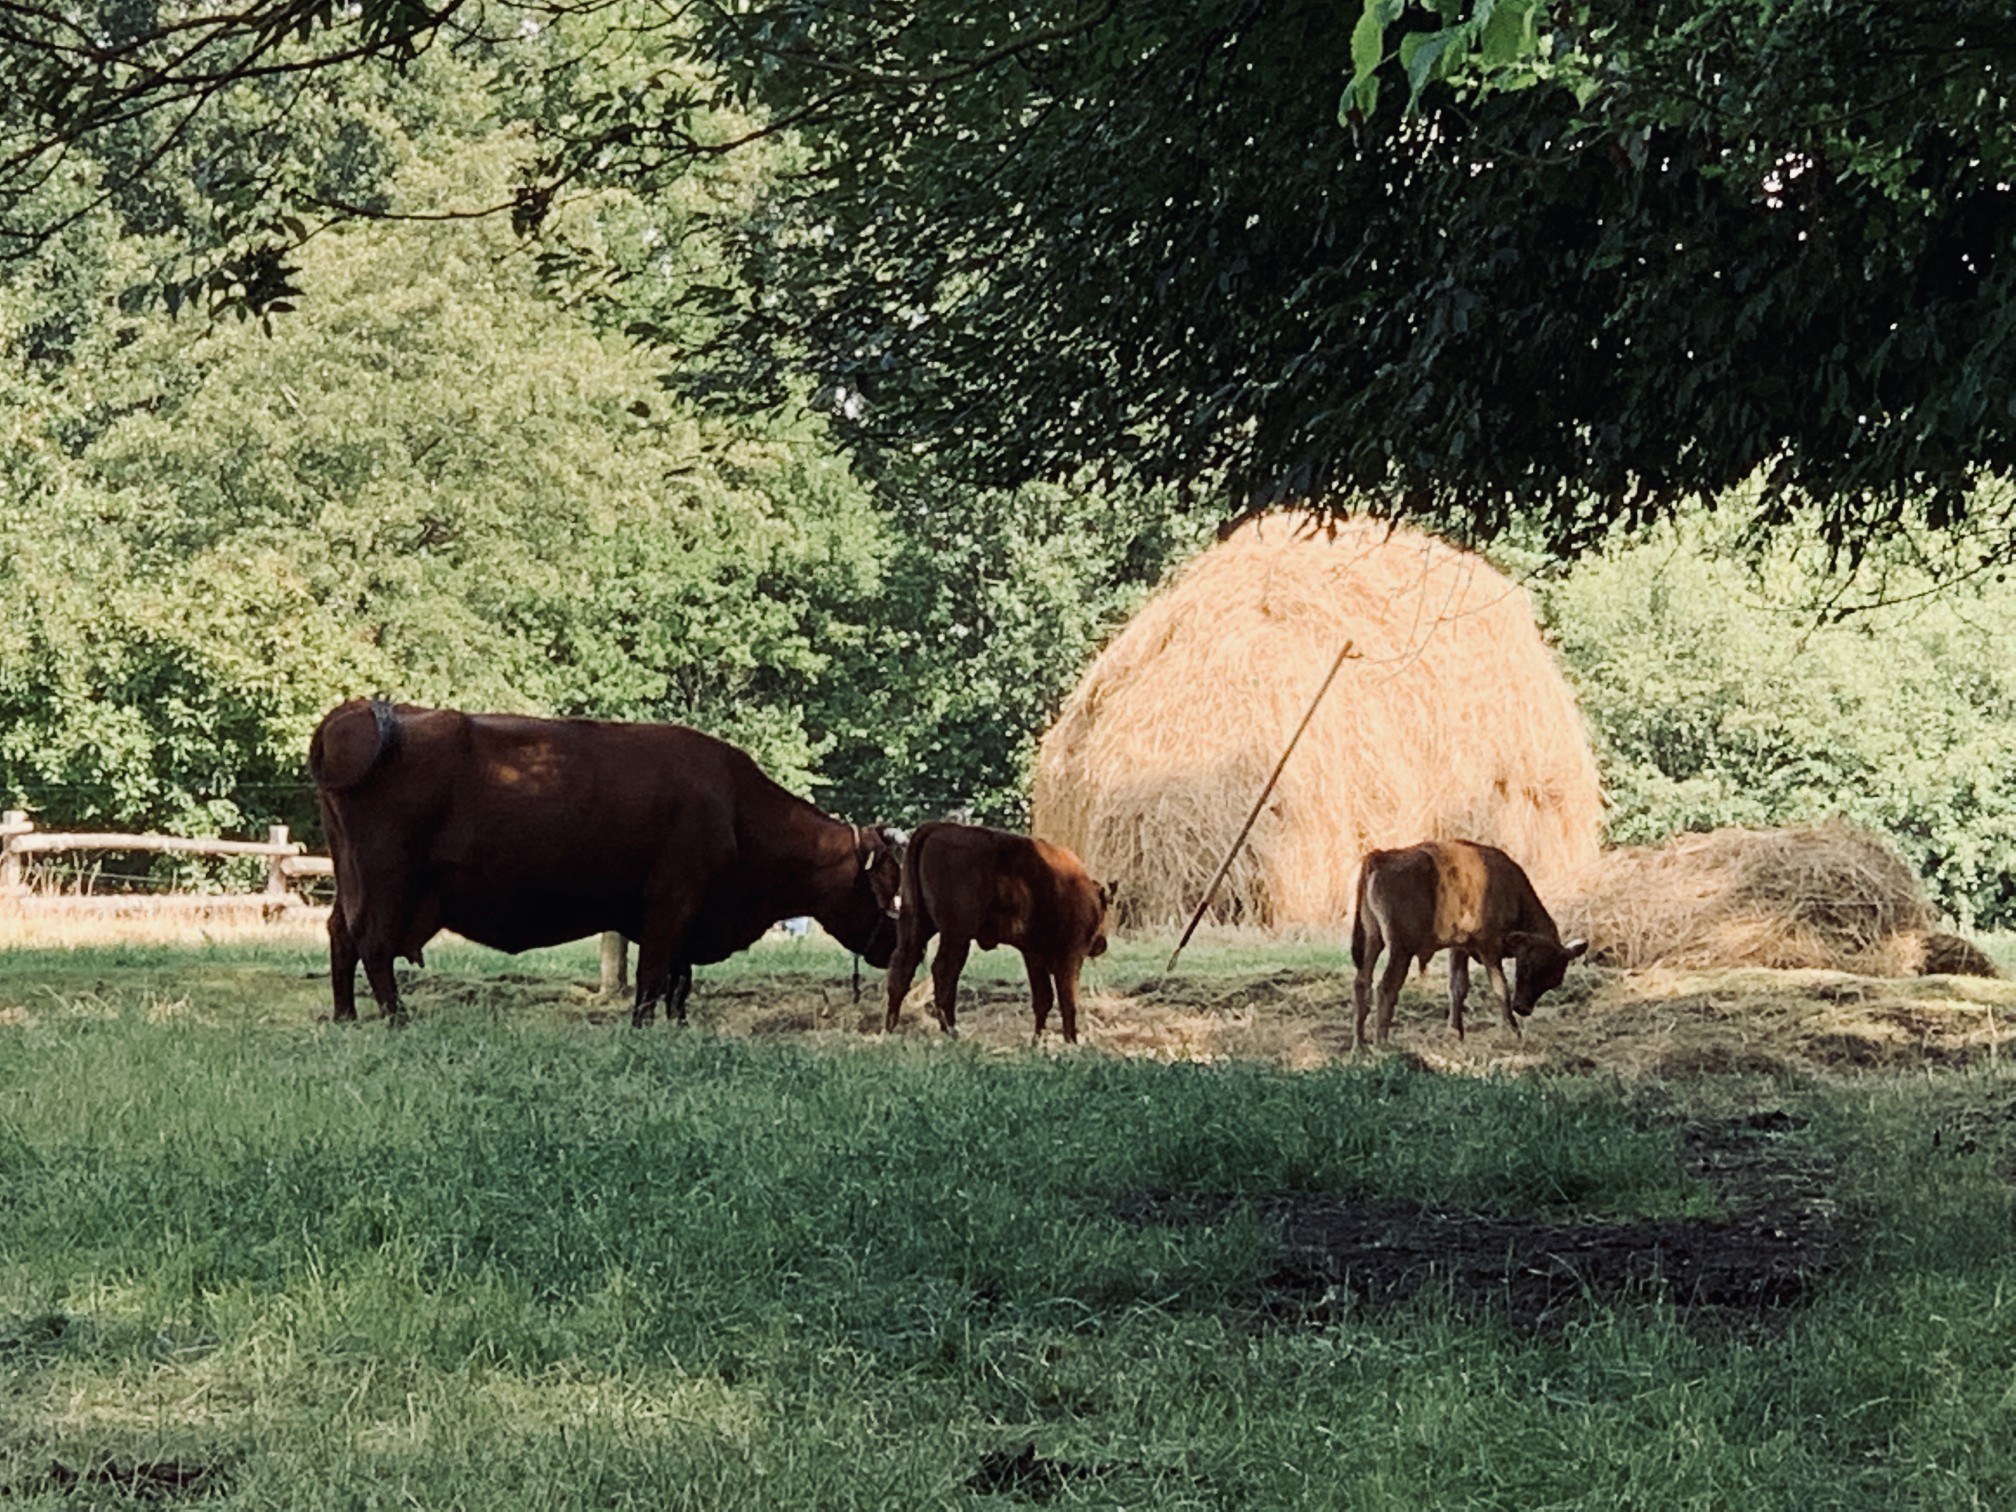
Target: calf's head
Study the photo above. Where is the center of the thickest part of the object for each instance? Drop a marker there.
(1107, 892)
(1538, 965)
(865, 920)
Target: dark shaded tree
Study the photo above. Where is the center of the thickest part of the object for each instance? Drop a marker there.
(1481, 260)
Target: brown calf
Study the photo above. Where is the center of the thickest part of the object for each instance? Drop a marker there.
(974, 886)
(1472, 900)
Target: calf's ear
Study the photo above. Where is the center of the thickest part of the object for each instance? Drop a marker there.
(1576, 949)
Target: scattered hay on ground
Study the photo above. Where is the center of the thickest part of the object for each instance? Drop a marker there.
(1950, 955)
(1658, 1024)
(1825, 896)
(1453, 720)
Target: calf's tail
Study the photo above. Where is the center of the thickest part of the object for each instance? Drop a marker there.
(911, 888)
(1358, 926)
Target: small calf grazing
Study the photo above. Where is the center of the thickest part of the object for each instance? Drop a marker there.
(975, 886)
(1473, 901)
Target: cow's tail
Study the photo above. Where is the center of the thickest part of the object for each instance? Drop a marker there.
(342, 753)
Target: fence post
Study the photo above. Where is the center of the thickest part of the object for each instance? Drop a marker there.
(277, 885)
(615, 963)
(13, 822)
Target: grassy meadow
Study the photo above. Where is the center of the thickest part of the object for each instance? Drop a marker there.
(516, 1257)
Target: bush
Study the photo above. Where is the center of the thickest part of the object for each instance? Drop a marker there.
(1719, 692)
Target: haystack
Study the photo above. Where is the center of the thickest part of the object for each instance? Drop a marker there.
(1808, 896)
(1451, 720)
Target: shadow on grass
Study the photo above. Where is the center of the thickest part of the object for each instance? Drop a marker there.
(1774, 1242)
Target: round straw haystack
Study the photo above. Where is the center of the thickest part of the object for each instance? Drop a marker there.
(1451, 720)
(1826, 896)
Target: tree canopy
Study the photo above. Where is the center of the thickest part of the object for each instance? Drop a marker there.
(1482, 260)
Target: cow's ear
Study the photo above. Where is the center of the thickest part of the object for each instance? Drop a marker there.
(1517, 940)
(1576, 949)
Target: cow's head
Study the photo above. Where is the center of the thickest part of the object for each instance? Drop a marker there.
(1538, 965)
(865, 920)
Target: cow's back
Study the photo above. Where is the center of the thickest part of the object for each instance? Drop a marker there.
(526, 831)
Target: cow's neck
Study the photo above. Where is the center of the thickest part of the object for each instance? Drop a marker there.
(816, 857)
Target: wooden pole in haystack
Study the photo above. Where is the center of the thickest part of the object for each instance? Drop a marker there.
(1211, 891)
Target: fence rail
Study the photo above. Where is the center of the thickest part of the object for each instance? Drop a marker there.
(286, 866)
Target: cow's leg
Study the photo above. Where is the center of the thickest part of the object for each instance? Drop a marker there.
(1459, 986)
(384, 985)
(1495, 970)
(945, 969)
(1041, 993)
(1390, 982)
(911, 938)
(342, 966)
(660, 975)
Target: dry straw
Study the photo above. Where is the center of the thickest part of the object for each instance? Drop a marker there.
(1452, 720)
(1826, 896)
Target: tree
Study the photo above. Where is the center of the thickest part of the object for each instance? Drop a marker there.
(1720, 690)
(1570, 264)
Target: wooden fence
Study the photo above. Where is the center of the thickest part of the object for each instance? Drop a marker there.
(286, 868)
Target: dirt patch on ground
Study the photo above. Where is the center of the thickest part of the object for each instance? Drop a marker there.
(1774, 1240)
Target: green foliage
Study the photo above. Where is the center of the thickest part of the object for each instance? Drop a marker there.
(1722, 690)
(1122, 237)
(451, 477)
(993, 605)
(1592, 260)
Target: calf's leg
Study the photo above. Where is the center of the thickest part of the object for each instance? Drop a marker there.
(911, 938)
(1067, 996)
(945, 969)
(1365, 948)
(1041, 993)
(1459, 986)
(1390, 981)
(1496, 971)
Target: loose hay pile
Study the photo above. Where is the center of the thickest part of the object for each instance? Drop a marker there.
(1813, 896)
(1453, 720)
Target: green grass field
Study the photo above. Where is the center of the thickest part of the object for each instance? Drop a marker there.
(511, 1259)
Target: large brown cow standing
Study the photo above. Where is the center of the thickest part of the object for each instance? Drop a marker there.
(975, 886)
(1472, 900)
(518, 832)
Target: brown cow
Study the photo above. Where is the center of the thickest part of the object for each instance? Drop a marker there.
(975, 886)
(1472, 900)
(520, 832)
